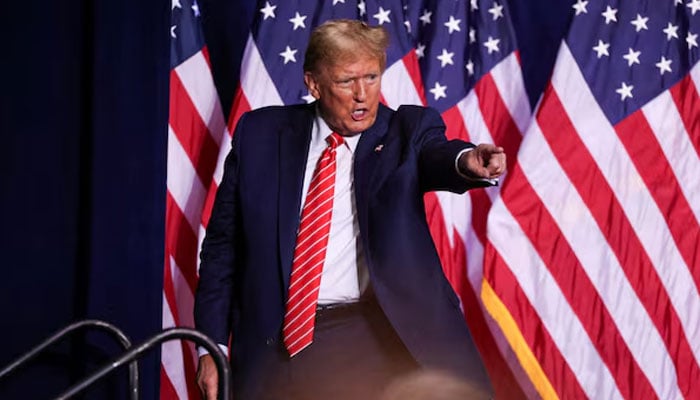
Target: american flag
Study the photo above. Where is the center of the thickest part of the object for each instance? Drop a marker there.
(459, 57)
(593, 259)
(196, 132)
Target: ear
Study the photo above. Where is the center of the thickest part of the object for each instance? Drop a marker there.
(312, 84)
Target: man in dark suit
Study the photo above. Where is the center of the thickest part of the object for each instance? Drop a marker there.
(377, 304)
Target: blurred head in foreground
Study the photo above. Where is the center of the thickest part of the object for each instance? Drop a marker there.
(432, 385)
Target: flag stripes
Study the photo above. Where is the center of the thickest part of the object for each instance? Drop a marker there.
(200, 149)
(511, 89)
(620, 236)
(452, 249)
(176, 356)
(607, 202)
(185, 188)
(521, 337)
(557, 337)
(256, 83)
(676, 277)
(497, 117)
(552, 245)
(685, 96)
(656, 172)
(402, 84)
(670, 124)
(173, 384)
(200, 90)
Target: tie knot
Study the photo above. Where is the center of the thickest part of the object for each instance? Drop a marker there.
(334, 140)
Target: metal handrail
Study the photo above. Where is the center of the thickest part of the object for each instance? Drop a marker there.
(199, 338)
(88, 323)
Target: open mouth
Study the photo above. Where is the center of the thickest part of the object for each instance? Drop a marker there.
(360, 114)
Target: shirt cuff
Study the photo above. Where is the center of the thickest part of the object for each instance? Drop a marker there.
(203, 351)
(493, 182)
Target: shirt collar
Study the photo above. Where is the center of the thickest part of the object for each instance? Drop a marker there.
(321, 130)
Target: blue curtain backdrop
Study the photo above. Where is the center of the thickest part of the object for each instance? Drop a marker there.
(83, 123)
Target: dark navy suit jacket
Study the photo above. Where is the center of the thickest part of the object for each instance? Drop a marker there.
(247, 252)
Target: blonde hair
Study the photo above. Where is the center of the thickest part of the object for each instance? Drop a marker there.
(341, 40)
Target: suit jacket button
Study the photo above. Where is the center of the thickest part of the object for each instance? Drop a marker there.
(270, 341)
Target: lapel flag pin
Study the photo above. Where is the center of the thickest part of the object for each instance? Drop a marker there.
(379, 148)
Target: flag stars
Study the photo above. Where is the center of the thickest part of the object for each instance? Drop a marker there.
(425, 18)
(632, 57)
(692, 40)
(624, 91)
(470, 67)
(602, 49)
(640, 23)
(298, 21)
(382, 16)
(268, 11)
(195, 8)
(438, 91)
(472, 35)
(474, 4)
(420, 50)
(664, 65)
(496, 11)
(362, 7)
(492, 44)
(453, 25)
(175, 4)
(289, 54)
(172, 32)
(445, 58)
(610, 15)
(694, 6)
(308, 98)
(671, 31)
(580, 7)
(338, 1)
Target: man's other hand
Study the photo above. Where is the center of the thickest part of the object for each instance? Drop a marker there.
(208, 377)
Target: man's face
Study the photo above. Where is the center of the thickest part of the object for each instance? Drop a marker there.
(348, 93)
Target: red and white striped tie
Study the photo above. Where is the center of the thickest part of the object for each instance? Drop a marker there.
(310, 252)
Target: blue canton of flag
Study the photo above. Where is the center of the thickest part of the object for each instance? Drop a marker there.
(186, 37)
(630, 52)
(457, 43)
(282, 31)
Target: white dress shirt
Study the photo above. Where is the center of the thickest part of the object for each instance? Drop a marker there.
(344, 275)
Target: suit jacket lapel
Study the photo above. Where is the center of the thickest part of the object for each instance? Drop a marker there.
(367, 154)
(293, 150)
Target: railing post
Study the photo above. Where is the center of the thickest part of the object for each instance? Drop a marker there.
(88, 323)
(173, 333)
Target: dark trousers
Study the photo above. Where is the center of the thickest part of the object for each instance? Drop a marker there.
(355, 355)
